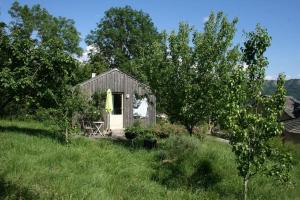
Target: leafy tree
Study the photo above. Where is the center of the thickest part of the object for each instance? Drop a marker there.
(64, 116)
(14, 76)
(84, 70)
(188, 80)
(37, 24)
(215, 60)
(37, 51)
(121, 39)
(181, 78)
(156, 69)
(253, 118)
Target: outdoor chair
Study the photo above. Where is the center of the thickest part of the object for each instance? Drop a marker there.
(88, 129)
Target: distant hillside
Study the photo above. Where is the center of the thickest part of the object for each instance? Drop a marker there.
(292, 86)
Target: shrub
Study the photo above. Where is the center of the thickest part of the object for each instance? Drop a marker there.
(181, 163)
(75, 108)
(42, 114)
(176, 160)
(150, 134)
(130, 135)
(161, 130)
(149, 141)
(75, 103)
(134, 131)
(141, 136)
(91, 109)
(164, 130)
(201, 129)
(137, 123)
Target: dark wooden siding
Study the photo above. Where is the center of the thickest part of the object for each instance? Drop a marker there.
(120, 82)
(291, 137)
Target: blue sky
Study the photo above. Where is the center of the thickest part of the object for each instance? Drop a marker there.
(281, 18)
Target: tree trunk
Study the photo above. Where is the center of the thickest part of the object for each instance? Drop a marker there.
(210, 126)
(245, 187)
(66, 135)
(190, 129)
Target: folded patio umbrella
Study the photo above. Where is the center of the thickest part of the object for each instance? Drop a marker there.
(108, 105)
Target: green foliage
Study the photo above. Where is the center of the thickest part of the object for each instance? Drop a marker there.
(84, 71)
(75, 108)
(182, 164)
(142, 136)
(36, 57)
(253, 118)
(188, 80)
(33, 160)
(132, 132)
(95, 108)
(138, 131)
(202, 82)
(122, 38)
(164, 130)
(63, 115)
(43, 29)
(161, 131)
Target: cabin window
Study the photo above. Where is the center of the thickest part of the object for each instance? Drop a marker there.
(140, 107)
(117, 104)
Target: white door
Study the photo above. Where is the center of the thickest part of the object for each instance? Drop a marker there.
(116, 117)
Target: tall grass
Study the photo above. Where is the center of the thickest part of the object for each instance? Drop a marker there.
(35, 164)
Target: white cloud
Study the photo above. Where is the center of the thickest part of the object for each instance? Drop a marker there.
(205, 19)
(85, 54)
(287, 77)
(270, 77)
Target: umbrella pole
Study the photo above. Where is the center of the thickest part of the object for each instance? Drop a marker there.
(107, 122)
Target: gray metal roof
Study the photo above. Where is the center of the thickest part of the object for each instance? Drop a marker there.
(112, 70)
(292, 107)
(292, 126)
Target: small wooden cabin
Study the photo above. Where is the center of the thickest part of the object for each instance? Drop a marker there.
(291, 120)
(292, 130)
(124, 90)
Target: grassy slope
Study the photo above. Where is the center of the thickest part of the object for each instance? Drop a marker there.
(38, 166)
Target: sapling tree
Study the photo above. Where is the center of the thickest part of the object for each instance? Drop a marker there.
(171, 74)
(215, 58)
(178, 78)
(253, 118)
(190, 69)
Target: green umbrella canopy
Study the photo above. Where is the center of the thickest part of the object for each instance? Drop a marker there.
(108, 103)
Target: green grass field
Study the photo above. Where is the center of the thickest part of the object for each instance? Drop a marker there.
(35, 165)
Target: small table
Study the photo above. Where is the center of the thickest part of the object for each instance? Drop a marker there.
(98, 126)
